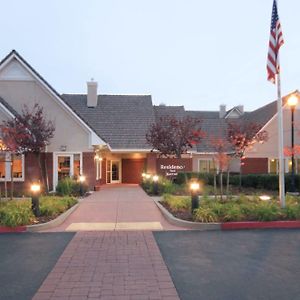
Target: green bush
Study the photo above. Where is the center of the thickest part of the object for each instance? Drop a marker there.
(205, 215)
(15, 213)
(177, 202)
(51, 206)
(69, 186)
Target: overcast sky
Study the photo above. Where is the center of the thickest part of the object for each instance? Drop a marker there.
(196, 53)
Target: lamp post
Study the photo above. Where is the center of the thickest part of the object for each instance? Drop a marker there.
(81, 181)
(292, 102)
(155, 184)
(194, 187)
(35, 200)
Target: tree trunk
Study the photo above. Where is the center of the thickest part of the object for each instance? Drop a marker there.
(46, 174)
(215, 183)
(221, 184)
(11, 177)
(38, 155)
(227, 184)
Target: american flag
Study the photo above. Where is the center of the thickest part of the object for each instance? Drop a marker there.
(276, 41)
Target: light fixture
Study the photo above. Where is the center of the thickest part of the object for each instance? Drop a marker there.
(194, 186)
(292, 100)
(143, 175)
(35, 187)
(81, 178)
(264, 197)
(148, 176)
(155, 178)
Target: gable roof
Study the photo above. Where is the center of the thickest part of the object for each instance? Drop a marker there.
(15, 55)
(122, 120)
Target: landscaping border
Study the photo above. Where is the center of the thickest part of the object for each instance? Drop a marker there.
(53, 223)
(182, 223)
(224, 226)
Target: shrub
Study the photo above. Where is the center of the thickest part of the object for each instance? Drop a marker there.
(69, 186)
(205, 215)
(232, 212)
(51, 206)
(15, 213)
(267, 212)
(177, 202)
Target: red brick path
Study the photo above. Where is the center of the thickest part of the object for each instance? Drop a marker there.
(109, 265)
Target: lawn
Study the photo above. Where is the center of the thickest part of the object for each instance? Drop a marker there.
(240, 208)
(18, 212)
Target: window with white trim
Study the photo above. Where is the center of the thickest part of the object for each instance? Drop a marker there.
(206, 166)
(11, 165)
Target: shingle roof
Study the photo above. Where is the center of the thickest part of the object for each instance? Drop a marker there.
(121, 120)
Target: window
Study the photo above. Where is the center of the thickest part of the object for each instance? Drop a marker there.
(16, 168)
(273, 166)
(206, 166)
(76, 165)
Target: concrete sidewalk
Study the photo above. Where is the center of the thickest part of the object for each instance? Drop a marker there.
(120, 207)
(110, 265)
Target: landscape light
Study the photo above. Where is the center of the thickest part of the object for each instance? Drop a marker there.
(35, 187)
(155, 178)
(148, 176)
(195, 186)
(81, 178)
(264, 197)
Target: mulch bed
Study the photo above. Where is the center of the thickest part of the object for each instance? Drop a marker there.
(180, 214)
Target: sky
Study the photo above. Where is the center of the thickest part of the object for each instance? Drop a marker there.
(195, 53)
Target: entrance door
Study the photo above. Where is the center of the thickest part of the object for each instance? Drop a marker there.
(64, 166)
(113, 171)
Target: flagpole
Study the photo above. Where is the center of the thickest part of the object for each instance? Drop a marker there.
(280, 143)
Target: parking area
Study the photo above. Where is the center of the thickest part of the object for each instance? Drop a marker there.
(25, 261)
(261, 264)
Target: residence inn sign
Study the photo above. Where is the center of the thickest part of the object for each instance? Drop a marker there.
(170, 167)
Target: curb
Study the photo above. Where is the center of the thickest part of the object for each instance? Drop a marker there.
(260, 225)
(6, 229)
(182, 223)
(53, 223)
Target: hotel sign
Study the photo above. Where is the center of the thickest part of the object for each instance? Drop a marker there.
(170, 167)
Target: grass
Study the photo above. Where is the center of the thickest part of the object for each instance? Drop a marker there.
(18, 212)
(241, 208)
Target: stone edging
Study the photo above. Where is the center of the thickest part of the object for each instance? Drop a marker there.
(53, 223)
(182, 223)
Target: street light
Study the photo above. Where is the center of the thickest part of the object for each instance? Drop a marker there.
(194, 187)
(155, 184)
(35, 201)
(81, 181)
(292, 102)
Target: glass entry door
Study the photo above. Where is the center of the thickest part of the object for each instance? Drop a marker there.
(113, 171)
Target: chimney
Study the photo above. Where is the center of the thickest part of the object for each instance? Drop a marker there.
(92, 97)
(222, 111)
(241, 108)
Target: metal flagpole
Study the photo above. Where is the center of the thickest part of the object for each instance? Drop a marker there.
(280, 143)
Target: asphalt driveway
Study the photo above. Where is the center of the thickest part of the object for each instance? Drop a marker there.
(262, 264)
(25, 261)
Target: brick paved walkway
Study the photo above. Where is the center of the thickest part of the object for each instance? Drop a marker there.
(112, 265)
(116, 208)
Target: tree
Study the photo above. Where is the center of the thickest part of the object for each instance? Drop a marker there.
(174, 137)
(220, 147)
(29, 132)
(242, 136)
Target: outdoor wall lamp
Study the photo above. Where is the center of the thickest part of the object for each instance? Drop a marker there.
(35, 201)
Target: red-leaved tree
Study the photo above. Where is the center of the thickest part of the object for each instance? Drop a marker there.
(174, 137)
(242, 136)
(29, 132)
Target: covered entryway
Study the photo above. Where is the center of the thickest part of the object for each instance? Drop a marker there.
(132, 170)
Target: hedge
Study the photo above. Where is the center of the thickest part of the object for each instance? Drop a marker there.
(257, 181)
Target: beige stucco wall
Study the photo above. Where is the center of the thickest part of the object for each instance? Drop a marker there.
(68, 131)
(270, 148)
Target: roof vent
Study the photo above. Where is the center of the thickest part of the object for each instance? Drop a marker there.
(92, 98)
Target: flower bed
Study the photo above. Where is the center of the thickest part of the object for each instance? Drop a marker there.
(18, 212)
(239, 209)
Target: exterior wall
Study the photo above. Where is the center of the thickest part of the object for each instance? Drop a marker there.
(270, 148)
(68, 131)
(151, 163)
(89, 169)
(32, 174)
(132, 170)
(170, 167)
(255, 166)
